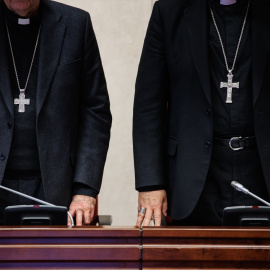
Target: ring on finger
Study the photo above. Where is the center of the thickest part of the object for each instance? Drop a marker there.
(142, 210)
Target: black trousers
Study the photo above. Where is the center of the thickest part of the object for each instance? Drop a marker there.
(31, 187)
(243, 166)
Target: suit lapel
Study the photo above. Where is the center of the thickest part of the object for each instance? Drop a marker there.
(51, 42)
(5, 86)
(197, 26)
(260, 24)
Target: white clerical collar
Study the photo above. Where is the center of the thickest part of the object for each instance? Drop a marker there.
(227, 2)
(22, 21)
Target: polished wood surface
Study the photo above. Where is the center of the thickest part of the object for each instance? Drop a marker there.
(88, 247)
(94, 247)
(206, 248)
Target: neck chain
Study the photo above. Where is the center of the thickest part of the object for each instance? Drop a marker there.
(229, 85)
(22, 101)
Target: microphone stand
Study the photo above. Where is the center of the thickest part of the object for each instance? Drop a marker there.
(241, 188)
(35, 199)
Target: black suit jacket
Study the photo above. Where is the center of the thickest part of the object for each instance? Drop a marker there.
(73, 117)
(173, 125)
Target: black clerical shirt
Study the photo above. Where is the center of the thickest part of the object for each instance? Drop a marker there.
(24, 151)
(235, 119)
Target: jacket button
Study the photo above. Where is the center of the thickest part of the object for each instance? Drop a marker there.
(9, 124)
(208, 111)
(2, 157)
(207, 144)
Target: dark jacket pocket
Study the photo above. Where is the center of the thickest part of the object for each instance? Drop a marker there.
(69, 67)
(172, 146)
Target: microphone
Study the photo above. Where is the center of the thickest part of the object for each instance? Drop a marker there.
(241, 188)
(34, 199)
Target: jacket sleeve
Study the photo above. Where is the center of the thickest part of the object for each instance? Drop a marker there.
(150, 107)
(95, 117)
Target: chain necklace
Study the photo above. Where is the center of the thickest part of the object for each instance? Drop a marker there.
(229, 85)
(22, 101)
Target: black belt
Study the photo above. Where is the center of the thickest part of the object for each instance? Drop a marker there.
(236, 143)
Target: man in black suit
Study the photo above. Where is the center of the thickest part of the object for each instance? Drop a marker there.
(202, 109)
(54, 107)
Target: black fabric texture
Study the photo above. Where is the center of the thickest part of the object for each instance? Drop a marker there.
(24, 151)
(228, 165)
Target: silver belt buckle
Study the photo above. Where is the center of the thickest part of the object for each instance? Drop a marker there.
(236, 148)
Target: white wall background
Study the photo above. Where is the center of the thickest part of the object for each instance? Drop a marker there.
(120, 27)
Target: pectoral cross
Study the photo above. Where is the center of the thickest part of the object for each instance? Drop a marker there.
(229, 85)
(22, 101)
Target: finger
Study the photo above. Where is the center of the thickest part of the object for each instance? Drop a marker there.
(164, 207)
(92, 214)
(72, 212)
(79, 217)
(157, 216)
(140, 219)
(87, 217)
(148, 217)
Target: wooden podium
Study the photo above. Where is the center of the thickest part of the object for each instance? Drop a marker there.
(206, 248)
(92, 247)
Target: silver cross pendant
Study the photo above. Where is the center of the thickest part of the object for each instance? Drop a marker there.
(22, 101)
(229, 85)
